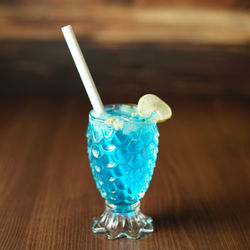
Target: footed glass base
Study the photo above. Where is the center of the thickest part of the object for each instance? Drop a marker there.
(123, 221)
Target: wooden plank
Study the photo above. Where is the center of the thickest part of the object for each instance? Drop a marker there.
(33, 68)
(169, 50)
(222, 3)
(199, 196)
(119, 24)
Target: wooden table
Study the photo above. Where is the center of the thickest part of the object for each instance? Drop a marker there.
(199, 196)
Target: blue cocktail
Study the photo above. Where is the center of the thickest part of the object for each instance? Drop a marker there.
(122, 150)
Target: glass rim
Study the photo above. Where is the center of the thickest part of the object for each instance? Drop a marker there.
(143, 121)
(92, 111)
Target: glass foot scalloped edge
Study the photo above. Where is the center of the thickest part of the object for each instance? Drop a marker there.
(119, 222)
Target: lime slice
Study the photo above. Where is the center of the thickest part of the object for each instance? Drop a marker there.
(152, 105)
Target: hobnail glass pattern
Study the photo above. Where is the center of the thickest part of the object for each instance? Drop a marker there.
(122, 163)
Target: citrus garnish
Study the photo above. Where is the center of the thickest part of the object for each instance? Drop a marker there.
(116, 123)
(152, 105)
(110, 121)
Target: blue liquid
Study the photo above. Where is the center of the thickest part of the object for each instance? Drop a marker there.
(122, 158)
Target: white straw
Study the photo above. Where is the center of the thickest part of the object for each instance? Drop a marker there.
(82, 68)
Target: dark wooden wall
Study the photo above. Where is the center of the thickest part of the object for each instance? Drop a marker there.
(177, 48)
(221, 3)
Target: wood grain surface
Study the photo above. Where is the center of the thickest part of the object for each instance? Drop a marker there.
(114, 23)
(223, 3)
(199, 196)
(35, 68)
(145, 46)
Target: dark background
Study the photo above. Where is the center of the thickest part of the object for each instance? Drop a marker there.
(171, 48)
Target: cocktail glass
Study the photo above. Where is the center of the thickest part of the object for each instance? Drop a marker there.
(122, 150)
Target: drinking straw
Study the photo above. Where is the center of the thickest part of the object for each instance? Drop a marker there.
(82, 68)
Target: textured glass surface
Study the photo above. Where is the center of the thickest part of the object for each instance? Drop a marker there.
(132, 224)
(122, 150)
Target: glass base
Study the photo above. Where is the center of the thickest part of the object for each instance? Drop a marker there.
(118, 222)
